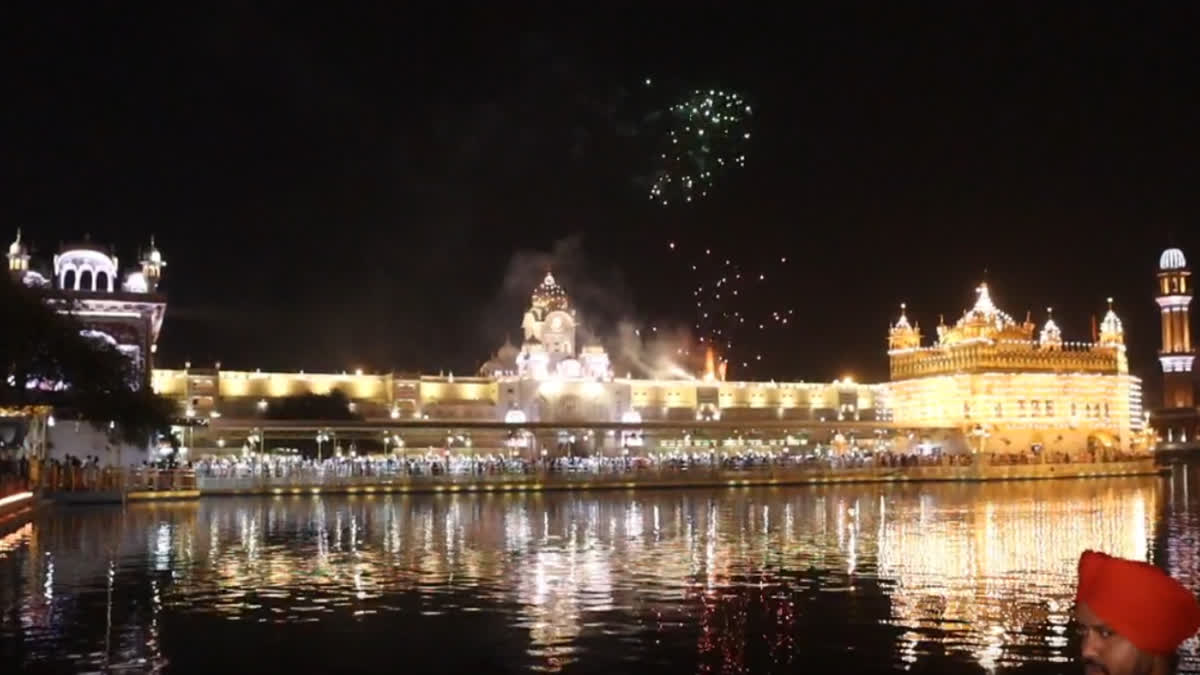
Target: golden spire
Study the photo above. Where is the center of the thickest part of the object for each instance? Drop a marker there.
(1112, 331)
(1051, 336)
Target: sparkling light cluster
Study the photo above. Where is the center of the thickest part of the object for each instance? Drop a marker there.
(725, 295)
(709, 132)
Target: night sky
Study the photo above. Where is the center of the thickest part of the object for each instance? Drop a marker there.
(382, 188)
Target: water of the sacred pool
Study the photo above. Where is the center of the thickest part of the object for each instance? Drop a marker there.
(872, 578)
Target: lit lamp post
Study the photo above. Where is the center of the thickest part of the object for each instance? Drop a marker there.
(322, 437)
(189, 412)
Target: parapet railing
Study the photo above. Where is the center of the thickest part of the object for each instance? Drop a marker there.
(13, 484)
(653, 476)
(161, 479)
(63, 478)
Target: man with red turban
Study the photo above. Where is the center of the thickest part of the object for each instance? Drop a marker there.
(1132, 616)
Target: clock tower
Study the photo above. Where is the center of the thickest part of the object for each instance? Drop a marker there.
(1177, 422)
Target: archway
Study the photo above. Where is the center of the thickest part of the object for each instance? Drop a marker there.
(69, 280)
(568, 409)
(87, 280)
(1101, 445)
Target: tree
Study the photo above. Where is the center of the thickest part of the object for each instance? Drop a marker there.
(332, 406)
(45, 359)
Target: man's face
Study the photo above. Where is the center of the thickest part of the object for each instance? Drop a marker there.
(1104, 652)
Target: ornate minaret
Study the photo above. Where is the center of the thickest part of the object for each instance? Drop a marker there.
(1174, 298)
(1050, 338)
(152, 264)
(18, 256)
(902, 334)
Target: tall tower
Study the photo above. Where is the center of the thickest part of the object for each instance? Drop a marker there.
(1174, 297)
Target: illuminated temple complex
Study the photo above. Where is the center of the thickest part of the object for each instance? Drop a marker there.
(1013, 387)
(549, 379)
(987, 384)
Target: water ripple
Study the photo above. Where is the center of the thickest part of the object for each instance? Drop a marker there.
(943, 578)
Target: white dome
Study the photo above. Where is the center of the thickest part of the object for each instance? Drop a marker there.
(71, 266)
(136, 283)
(34, 279)
(1172, 259)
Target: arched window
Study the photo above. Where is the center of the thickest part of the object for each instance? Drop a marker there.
(69, 279)
(103, 281)
(87, 280)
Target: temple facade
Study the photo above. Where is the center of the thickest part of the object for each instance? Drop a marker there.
(119, 306)
(1012, 387)
(1005, 386)
(549, 378)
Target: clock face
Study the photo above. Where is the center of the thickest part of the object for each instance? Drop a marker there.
(556, 323)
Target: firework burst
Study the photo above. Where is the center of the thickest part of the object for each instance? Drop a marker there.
(707, 136)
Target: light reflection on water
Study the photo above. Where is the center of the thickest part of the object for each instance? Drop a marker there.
(879, 578)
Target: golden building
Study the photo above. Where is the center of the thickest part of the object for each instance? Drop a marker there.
(548, 379)
(1012, 392)
(987, 378)
(1003, 385)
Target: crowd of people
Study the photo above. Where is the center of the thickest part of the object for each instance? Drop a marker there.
(82, 473)
(14, 472)
(266, 466)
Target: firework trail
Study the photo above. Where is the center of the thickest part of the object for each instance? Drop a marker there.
(727, 296)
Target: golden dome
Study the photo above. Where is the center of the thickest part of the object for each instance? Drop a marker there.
(549, 295)
(985, 313)
(985, 321)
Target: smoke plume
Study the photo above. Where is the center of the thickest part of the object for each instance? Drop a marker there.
(605, 311)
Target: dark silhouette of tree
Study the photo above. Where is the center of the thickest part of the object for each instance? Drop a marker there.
(45, 360)
(332, 406)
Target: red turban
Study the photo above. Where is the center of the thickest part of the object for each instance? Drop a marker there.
(1139, 601)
